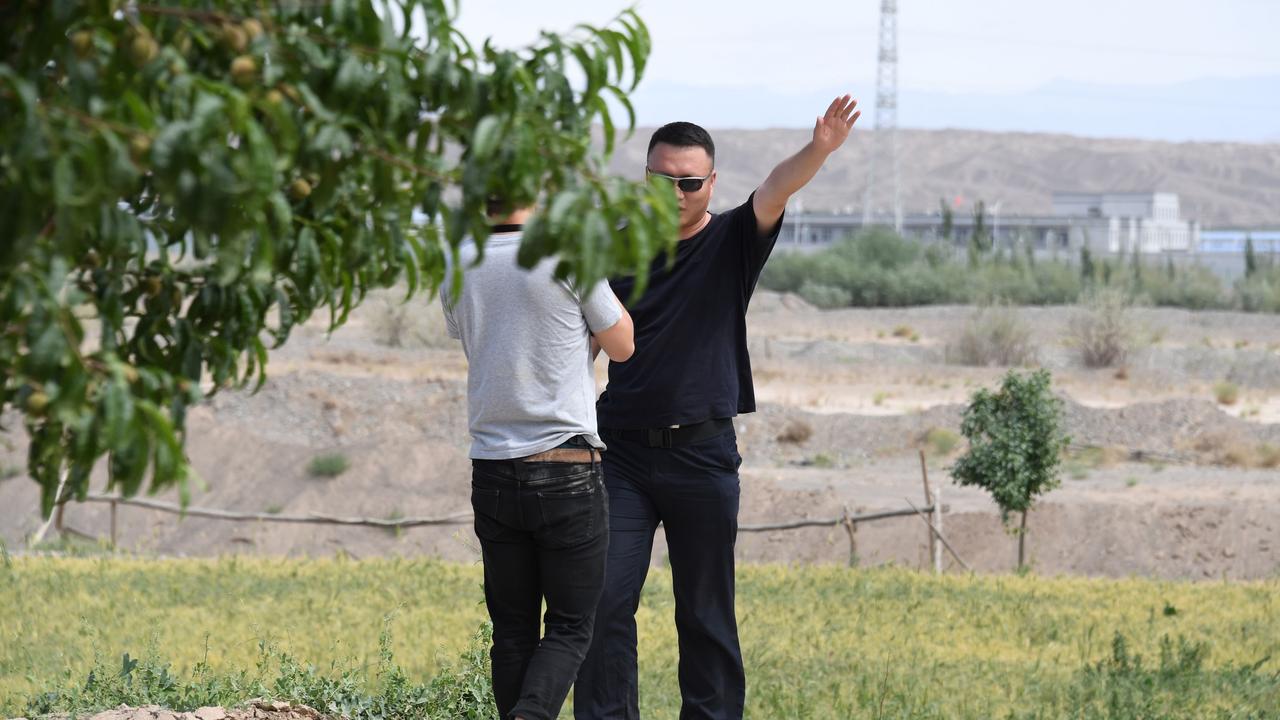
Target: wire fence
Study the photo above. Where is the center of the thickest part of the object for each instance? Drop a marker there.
(931, 513)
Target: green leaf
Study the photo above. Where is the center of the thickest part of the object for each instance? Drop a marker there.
(602, 109)
(352, 78)
(485, 139)
(625, 102)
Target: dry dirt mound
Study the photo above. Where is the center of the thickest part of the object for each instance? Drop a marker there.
(1173, 427)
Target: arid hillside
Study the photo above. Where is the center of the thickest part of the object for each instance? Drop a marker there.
(1220, 184)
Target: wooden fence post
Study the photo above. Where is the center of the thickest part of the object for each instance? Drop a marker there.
(113, 523)
(937, 523)
(850, 528)
(930, 501)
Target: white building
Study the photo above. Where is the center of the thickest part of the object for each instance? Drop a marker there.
(1147, 222)
(1107, 223)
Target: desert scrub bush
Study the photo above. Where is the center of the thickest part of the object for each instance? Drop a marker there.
(328, 465)
(1226, 392)
(826, 297)
(1103, 328)
(993, 335)
(1056, 283)
(1224, 448)
(996, 283)
(795, 432)
(1259, 292)
(941, 441)
(1268, 456)
(823, 461)
(1193, 288)
(417, 323)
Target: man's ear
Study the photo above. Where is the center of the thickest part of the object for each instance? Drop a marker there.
(711, 184)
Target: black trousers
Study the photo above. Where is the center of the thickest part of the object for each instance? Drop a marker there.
(544, 534)
(693, 491)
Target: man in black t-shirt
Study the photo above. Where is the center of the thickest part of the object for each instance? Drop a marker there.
(667, 417)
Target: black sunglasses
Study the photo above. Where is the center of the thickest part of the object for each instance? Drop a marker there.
(689, 184)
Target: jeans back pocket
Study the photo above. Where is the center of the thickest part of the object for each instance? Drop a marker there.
(571, 511)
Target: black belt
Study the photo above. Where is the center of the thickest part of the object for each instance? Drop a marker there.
(671, 436)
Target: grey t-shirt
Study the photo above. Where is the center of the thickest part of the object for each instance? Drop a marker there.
(530, 384)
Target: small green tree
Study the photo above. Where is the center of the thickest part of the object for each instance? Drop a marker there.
(1250, 257)
(1015, 445)
(980, 225)
(948, 221)
(1086, 265)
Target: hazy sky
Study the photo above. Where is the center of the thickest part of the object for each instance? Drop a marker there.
(1132, 60)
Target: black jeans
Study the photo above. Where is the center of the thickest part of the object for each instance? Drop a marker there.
(693, 491)
(544, 534)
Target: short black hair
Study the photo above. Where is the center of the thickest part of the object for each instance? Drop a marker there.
(496, 206)
(683, 134)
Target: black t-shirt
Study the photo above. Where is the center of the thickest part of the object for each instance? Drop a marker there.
(691, 361)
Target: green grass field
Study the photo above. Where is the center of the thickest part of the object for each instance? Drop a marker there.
(819, 642)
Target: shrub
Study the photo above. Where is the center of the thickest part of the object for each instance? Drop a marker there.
(795, 431)
(823, 460)
(882, 248)
(399, 324)
(1226, 392)
(941, 441)
(1194, 288)
(1222, 448)
(1056, 283)
(880, 269)
(1260, 293)
(825, 296)
(994, 335)
(787, 271)
(328, 465)
(1268, 456)
(1103, 328)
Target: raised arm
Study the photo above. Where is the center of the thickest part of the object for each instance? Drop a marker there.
(829, 133)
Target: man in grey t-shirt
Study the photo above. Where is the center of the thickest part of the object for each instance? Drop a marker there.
(536, 484)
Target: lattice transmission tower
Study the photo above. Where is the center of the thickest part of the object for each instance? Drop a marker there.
(882, 195)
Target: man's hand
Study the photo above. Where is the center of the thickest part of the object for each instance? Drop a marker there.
(829, 133)
(832, 129)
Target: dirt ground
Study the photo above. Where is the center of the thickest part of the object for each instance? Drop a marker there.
(1179, 486)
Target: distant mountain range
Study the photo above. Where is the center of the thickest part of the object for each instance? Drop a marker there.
(1220, 184)
(1208, 109)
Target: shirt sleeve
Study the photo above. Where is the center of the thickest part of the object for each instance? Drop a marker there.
(599, 308)
(756, 248)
